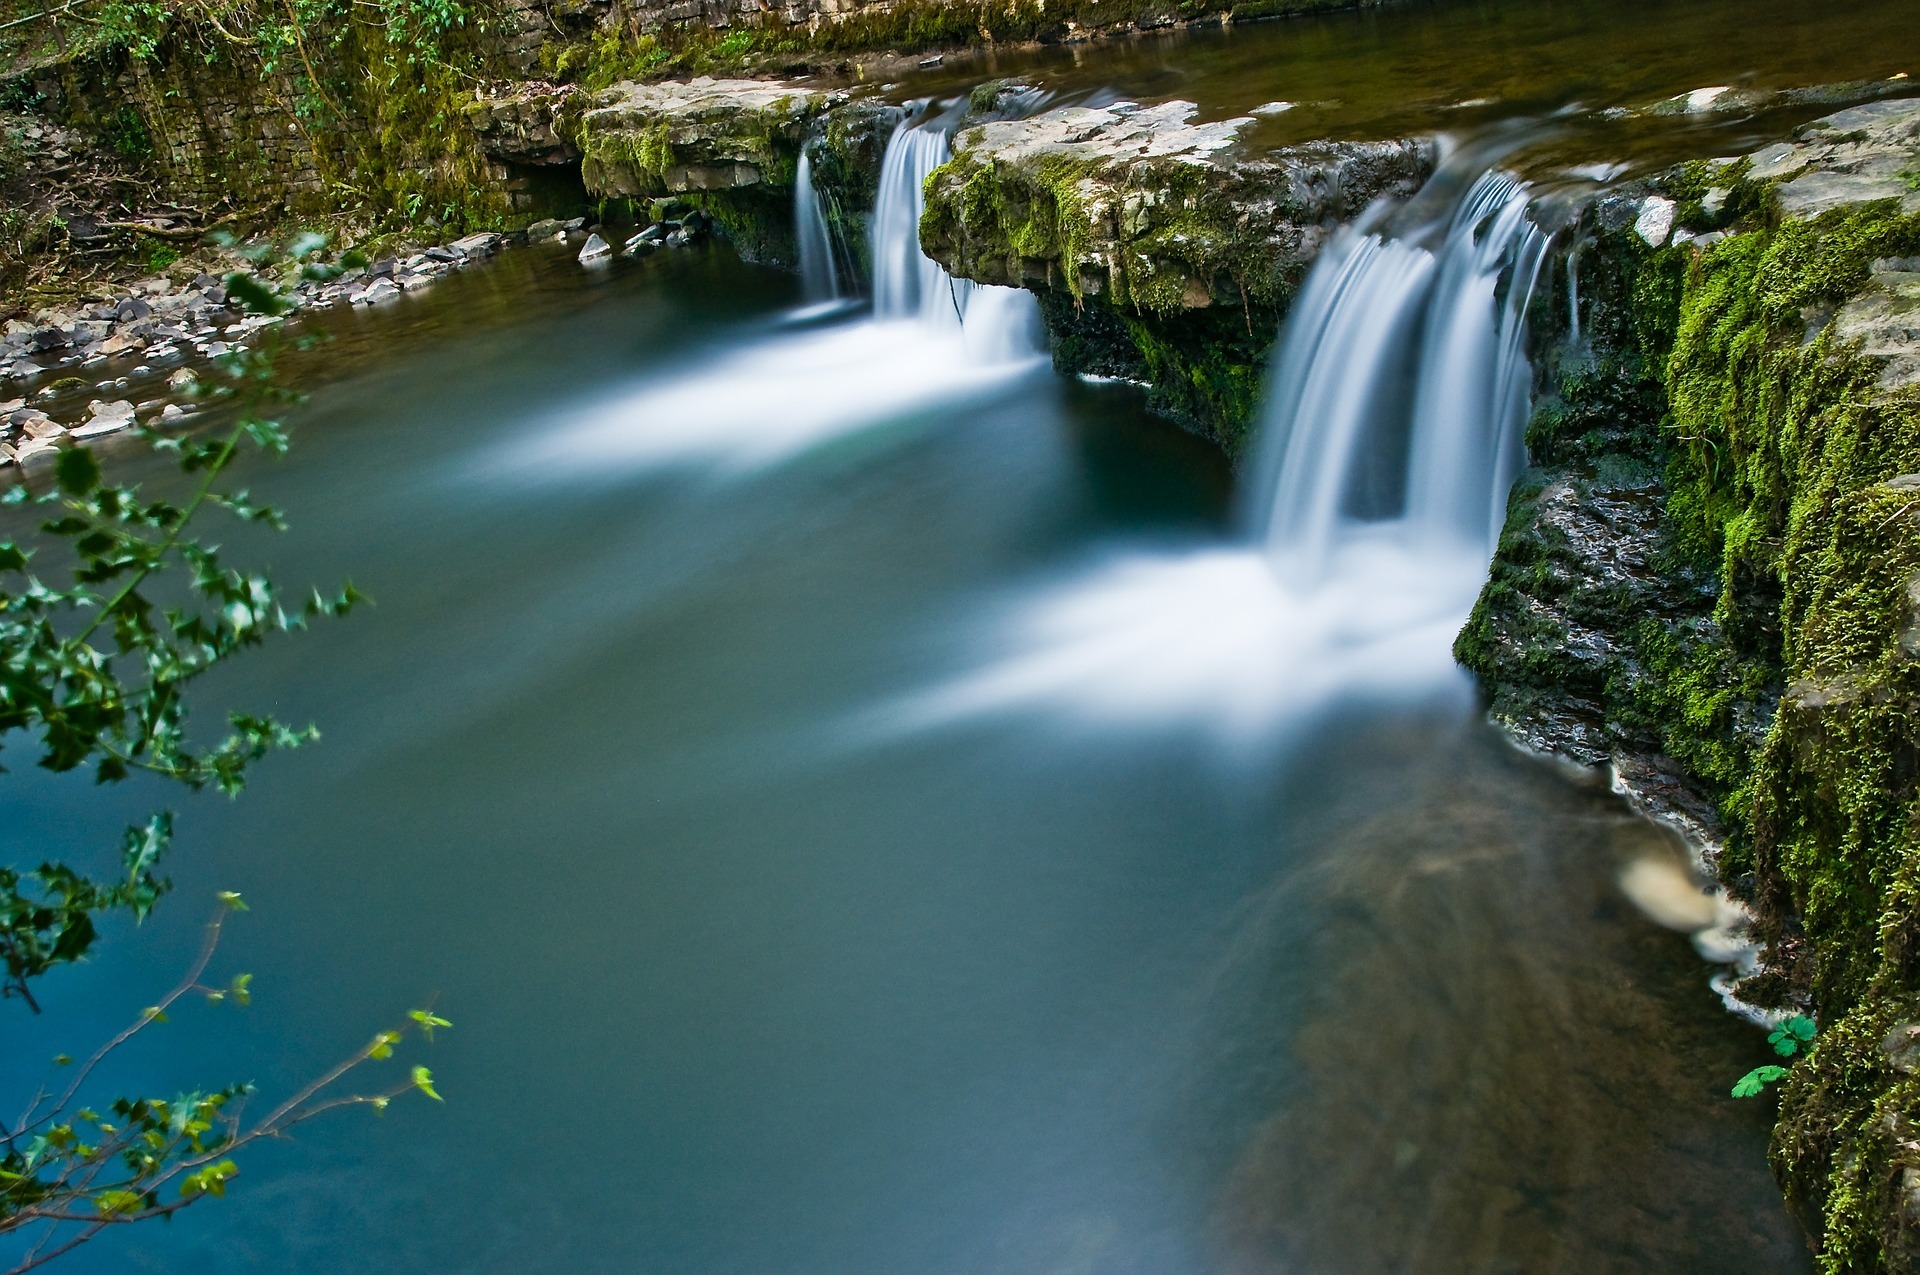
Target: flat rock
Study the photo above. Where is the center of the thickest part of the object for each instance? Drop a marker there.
(704, 134)
(1855, 156)
(1149, 207)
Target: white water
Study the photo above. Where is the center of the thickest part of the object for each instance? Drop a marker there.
(1388, 443)
(819, 275)
(931, 339)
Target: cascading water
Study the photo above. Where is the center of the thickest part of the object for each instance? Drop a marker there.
(931, 339)
(819, 275)
(1387, 446)
(1400, 388)
(999, 323)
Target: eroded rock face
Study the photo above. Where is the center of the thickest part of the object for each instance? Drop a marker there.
(527, 125)
(647, 140)
(1142, 206)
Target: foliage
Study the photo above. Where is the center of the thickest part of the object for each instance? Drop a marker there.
(109, 613)
(71, 1171)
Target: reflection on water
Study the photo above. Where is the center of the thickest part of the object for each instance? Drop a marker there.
(1450, 1101)
(1391, 71)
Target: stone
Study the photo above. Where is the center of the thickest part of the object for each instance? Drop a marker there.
(100, 426)
(42, 426)
(182, 381)
(173, 412)
(595, 250)
(36, 449)
(479, 245)
(378, 291)
(545, 228)
(1654, 224)
(1145, 206)
(1853, 156)
(1901, 1045)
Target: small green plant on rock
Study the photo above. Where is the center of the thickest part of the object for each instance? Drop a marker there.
(1791, 1037)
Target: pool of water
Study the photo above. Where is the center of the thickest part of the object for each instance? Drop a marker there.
(757, 967)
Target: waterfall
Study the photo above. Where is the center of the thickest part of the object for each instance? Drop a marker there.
(1389, 439)
(999, 323)
(1400, 386)
(819, 277)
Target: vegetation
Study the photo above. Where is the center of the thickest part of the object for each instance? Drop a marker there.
(111, 608)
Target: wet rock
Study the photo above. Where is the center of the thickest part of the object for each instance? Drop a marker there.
(546, 228)
(484, 244)
(379, 290)
(595, 250)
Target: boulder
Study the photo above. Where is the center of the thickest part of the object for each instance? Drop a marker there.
(641, 140)
(1143, 205)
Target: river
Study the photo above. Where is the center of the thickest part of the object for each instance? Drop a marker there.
(841, 853)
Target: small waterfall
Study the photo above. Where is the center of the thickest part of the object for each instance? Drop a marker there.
(819, 276)
(999, 323)
(1401, 384)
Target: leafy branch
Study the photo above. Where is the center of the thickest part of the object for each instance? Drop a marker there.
(74, 1171)
(95, 669)
(97, 655)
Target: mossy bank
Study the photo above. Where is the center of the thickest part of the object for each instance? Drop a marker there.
(1716, 558)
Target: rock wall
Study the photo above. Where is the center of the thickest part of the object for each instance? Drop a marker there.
(1716, 557)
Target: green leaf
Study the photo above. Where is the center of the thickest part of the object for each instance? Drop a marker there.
(423, 1081)
(382, 1046)
(1791, 1035)
(1754, 1083)
(77, 471)
(231, 900)
(117, 1202)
